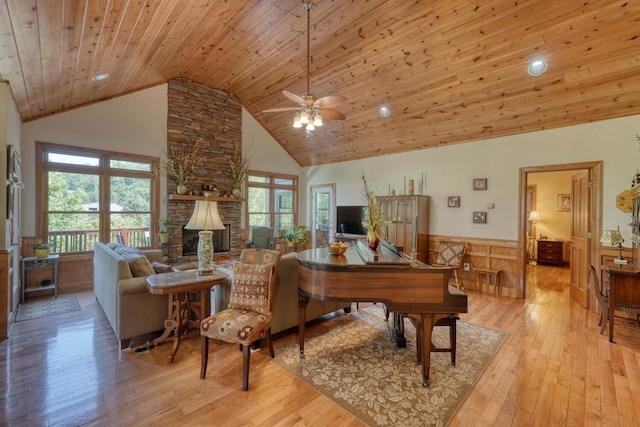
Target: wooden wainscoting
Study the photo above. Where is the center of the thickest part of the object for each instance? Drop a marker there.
(487, 253)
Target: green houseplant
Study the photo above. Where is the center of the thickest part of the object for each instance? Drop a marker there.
(165, 229)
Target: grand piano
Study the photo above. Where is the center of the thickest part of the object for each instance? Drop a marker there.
(386, 276)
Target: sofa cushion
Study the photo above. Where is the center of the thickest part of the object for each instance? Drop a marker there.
(138, 263)
(159, 267)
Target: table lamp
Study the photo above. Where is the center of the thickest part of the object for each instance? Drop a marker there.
(205, 218)
(614, 238)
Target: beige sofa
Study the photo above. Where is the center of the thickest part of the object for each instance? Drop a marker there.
(132, 311)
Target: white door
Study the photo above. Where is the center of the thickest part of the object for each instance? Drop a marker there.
(323, 214)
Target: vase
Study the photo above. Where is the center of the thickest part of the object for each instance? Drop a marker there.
(42, 253)
(235, 191)
(181, 189)
(372, 239)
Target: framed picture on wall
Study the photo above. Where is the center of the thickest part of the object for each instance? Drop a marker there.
(564, 202)
(479, 217)
(479, 184)
(453, 201)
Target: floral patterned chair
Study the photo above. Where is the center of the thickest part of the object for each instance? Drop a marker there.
(247, 318)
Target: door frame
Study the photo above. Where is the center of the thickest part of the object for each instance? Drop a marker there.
(595, 215)
(331, 190)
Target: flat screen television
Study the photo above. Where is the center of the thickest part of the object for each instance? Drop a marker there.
(349, 220)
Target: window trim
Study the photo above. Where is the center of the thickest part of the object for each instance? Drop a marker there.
(103, 171)
(272, 186)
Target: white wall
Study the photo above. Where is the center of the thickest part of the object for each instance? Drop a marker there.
(451, 170)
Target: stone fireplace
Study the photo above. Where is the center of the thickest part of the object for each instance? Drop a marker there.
(213, 116)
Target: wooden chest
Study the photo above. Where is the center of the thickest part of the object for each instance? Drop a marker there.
(550, 252)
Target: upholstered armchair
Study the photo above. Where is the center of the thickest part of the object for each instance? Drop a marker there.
(262, 237)
(247, 318)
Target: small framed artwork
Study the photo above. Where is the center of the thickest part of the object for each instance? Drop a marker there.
(564, 202)
(479, 184)
(479, 217)
(453, 201)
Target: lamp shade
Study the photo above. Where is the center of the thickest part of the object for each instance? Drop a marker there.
(205, 216)
(534, 216)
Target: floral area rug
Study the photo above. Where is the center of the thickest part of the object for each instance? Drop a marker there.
(49, 307)
(355, 363)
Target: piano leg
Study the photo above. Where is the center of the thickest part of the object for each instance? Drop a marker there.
(427, 321)
(398, 330)
(303, 300)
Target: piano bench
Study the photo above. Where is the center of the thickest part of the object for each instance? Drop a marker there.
(490, 277)
(449, 321)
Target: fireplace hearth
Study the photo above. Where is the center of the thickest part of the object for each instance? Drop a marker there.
(221, 240)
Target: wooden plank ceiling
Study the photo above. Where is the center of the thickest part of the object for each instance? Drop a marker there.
(451, 71)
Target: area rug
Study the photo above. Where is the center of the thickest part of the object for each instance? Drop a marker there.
(49, 307)
(355, 363)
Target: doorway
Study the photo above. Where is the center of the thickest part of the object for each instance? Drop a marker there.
(323, 208)
(590, 221)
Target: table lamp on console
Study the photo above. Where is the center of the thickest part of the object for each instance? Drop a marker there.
(614, 238)
(205, 218)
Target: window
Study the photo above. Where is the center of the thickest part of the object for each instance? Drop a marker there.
(91, 195)
(272, 200)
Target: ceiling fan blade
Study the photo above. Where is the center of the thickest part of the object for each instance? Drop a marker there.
(330, 101)
(295, 98)
(277, 110)
(329, 113)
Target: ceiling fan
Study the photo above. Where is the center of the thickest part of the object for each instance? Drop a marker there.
(311, 110)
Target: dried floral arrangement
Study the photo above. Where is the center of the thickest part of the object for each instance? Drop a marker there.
(239, 166)
(374, 216)
(181, 161)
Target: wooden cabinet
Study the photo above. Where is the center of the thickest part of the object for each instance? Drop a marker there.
(402, 212)
(550, 252)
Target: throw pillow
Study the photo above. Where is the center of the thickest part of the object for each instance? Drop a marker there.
(140, 266)
(250, 288)
(159, 267)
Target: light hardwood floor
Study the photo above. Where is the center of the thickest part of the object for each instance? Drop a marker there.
(553, 369)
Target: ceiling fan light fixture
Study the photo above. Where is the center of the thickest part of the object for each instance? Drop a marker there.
(296, 121)
(310, 126)
(317, 119)
(304, 117)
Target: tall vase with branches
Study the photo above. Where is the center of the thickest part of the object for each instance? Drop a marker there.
(181, 162)
(374, 216)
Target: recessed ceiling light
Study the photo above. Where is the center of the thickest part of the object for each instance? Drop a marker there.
(537, 67)
(384, 111)
(99, 77)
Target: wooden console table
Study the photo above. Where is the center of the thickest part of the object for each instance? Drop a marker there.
(183, 288)
(623, 283)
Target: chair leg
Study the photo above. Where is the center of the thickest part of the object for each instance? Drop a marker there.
(452, 340)
(270, 344)
(455, 276)
(204, 346)
(605, 318)
(246, 357)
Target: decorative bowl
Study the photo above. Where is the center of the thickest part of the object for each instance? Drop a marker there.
(336, 250)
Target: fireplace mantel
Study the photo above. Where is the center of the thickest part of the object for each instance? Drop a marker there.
(210, 198)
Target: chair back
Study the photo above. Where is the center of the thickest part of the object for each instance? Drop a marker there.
(252, 287)
(451, 252)
(262, 237)
(264, 256)
(601, 296)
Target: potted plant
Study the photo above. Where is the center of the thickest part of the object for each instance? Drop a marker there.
(165, 229)
(302, 236)
(291, 237)
(42, 249)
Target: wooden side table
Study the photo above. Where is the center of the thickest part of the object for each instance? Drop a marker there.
(186, 310)
(32, 263)
(492, 278)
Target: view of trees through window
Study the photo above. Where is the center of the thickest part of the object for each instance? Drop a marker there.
(92, 196)
(271, 200)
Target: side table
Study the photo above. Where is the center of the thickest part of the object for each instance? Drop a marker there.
(186, 310)
(33, 263)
